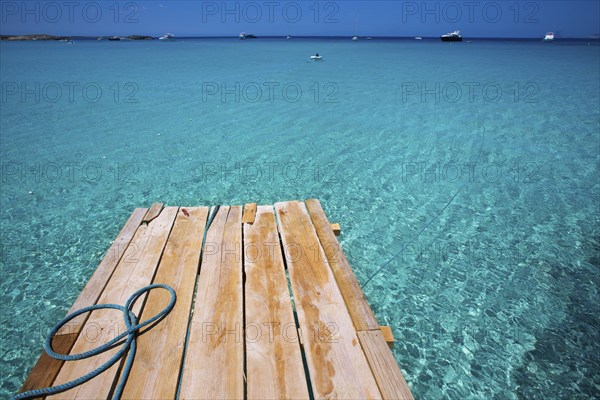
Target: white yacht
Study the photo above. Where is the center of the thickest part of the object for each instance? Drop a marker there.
(452, 37)
(245, 35)
(167, 36)
(549, 37)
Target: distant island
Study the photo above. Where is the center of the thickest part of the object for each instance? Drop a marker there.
(64, 38)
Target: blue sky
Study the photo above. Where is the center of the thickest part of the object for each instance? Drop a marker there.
(580, 18)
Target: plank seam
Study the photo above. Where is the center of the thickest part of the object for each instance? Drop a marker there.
(193, 305)
(145, 299)
(245, 366)
(338, 277)
(293, 301)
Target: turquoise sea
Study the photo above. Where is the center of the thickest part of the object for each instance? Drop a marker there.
(496, 299)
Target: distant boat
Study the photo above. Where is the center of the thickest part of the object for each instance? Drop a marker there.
(549, 37)
(245, 35)
(418, 38)
(452, 37)
(369, 38)
(114, 38)
(355, 38)
(288, 37)
(100, 38)
(167, 36)
(316, 57)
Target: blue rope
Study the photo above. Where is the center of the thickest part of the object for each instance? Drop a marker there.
(131, 322)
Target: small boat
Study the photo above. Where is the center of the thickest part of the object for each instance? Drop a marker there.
(245, 35)
(369, 38)
(418, 38)
(288, 37)
(549, 37)
(452, 37)
(114, 38)
(100, 38)
(355, 38)
(167, 36)
(316, 57)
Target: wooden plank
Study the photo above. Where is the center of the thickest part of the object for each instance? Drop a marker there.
(362, 315)
(249, 213)
(214, 364)
(45, 370)
(153, 212)
(337, 230)
(388, 335)
(274, 368)
(387, 373)
(155, 371)
(93, 289)
(135, 270)
(336, 363)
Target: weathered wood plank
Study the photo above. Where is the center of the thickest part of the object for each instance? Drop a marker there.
(157, 363)
(337, 230)
(93, 289)
(214, 364)
(362, 315)
(249, 213)
(274, 368)
(387, 373)
(45, 370)
(388, 335)
(337, 365)
(153, 212)
(135, 270)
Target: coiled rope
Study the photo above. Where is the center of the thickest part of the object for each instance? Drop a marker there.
(129, 345)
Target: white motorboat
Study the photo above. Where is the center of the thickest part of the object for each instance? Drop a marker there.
(452, 37)
(167, 36)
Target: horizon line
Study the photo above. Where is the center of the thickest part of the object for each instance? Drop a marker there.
(594, 37)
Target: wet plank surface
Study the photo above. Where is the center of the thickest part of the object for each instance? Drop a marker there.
(337, 365)
(274, 366)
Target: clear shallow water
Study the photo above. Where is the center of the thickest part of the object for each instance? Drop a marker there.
(498, 298)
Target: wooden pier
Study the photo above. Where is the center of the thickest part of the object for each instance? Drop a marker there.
(267, 308)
